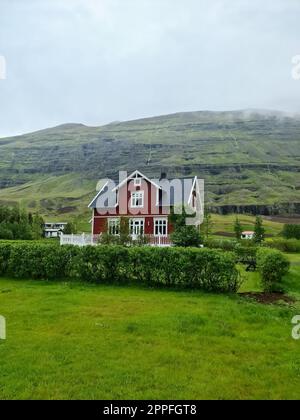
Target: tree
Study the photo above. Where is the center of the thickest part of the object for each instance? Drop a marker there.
(259, 231)
(178, 219)
(69, 228)
(37, 226)
(207, 225)
(5, 231)
(238, 229)
(124, 237)
(30, 219)
(291, 231)
(185, 236)
(20, 224)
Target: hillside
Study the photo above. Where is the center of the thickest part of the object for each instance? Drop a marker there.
(247, 158)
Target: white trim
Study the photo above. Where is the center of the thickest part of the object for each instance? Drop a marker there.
(137, 219)
(113, 219)
(142, 194)
(157, 219)
(132, 177)
(137, 182)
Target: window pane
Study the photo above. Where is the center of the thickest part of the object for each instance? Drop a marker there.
(161, 227)
(137, 199)
(114, 227)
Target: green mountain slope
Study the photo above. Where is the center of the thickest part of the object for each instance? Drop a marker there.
(247, 158)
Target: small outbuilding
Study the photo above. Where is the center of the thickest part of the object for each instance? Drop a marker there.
(248, 234)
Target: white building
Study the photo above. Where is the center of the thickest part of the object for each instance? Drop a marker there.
(54, 230)
(248, 234)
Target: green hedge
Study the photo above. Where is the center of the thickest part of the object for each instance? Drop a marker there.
(284, 245)
(272, 266)
(224, 244)
(205, 269)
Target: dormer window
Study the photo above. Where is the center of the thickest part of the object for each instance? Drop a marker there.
(137, 182)
(137, 199)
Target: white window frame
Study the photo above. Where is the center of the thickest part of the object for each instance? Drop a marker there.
(164, 223)
(114, 221)
(141, 222)
(140, 195)
(137, 182)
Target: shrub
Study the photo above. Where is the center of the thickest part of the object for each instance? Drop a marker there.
(5, 232)
(5, 250)
(225, 244)
(272, 266)
(291, 231)
(284, 245)
(245, 254)
(205, 269)
(186, 236)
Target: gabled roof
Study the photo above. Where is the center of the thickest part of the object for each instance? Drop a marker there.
(135, 174)
(186, 188)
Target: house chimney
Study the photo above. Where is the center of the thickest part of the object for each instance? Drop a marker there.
(163, 175)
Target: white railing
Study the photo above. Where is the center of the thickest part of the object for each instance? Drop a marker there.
(159, 240)
(79, 240)
(86, 239)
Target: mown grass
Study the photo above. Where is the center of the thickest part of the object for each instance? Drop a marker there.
(79, 341)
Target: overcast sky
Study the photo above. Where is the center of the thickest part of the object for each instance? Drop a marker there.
(97, 61)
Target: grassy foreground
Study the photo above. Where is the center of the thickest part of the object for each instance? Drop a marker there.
(75, 341)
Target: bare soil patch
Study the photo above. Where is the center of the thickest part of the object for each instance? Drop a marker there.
(268, 298)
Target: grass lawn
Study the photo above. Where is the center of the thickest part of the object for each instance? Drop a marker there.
(75, 341)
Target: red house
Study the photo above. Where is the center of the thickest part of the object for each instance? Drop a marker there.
(147, 203)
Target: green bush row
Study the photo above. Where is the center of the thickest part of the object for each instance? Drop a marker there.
(284, 245)
(272, 266)
(205, 269)
(225, 244)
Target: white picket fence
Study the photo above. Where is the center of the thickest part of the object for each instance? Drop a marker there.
(87, 239)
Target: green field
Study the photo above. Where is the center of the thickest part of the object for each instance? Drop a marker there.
(79, 341)
(224, 225)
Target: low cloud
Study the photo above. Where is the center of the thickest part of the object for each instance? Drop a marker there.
(94, 61)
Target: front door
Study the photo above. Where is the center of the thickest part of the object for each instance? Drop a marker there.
(137, 227)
